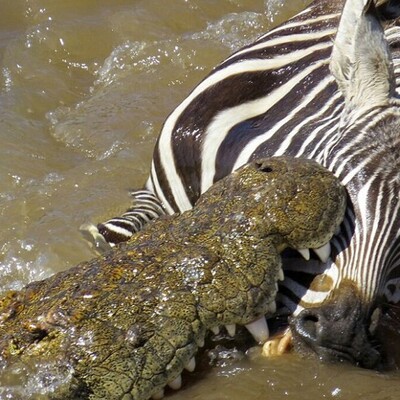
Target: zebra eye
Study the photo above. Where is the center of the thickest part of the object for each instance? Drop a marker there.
(263, 167)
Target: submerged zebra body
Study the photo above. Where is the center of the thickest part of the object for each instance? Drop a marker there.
(286, 95)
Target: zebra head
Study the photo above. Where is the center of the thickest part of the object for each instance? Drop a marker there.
(365, 155)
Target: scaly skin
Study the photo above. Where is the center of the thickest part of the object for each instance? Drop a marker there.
(124, 325)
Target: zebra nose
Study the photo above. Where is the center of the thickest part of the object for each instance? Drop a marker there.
(307, 325)
(336, 331)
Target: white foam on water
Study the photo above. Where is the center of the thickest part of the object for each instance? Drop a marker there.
(36, 381)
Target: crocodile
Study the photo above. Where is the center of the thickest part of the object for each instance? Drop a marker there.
(126, 324)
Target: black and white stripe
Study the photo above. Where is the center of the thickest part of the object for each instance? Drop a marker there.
(274, 97)
(252, 99)
(144, 208)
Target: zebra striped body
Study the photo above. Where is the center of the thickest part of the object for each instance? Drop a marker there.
(278, 96)
(253, 103)
(273, 97)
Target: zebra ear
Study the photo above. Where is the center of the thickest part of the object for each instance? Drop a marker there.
(361, 61)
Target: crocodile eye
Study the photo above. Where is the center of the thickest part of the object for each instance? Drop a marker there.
(264, 167)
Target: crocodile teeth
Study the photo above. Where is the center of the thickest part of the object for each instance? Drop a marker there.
(215, 330)
(259, 330)
(281, 276)
(231, 329)
(176, 383)
(323, 252)
(200, 342)
(305, 253)
(159, 395)
(191, 365)
(272, 307)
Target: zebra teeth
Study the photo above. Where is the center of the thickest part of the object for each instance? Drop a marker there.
(231, 329)
(305, 253)
(176, 384)
(215, 330)
(191, 365)
(259, 330)
(323, 252)
(159, 395)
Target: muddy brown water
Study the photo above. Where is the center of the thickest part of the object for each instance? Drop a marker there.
(84, 88)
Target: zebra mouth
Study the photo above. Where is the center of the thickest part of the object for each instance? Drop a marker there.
(358, 351)
(337, 330)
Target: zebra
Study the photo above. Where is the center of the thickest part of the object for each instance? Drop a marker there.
(323, 85)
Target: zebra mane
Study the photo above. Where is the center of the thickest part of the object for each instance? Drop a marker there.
(361, 61)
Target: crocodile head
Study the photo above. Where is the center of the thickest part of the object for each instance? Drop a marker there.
(126, 324)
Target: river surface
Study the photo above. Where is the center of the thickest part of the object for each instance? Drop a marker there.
(85, 86)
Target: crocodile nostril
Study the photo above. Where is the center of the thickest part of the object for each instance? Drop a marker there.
(264, 167)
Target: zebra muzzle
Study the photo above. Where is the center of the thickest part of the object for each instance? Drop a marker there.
(337, 331)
